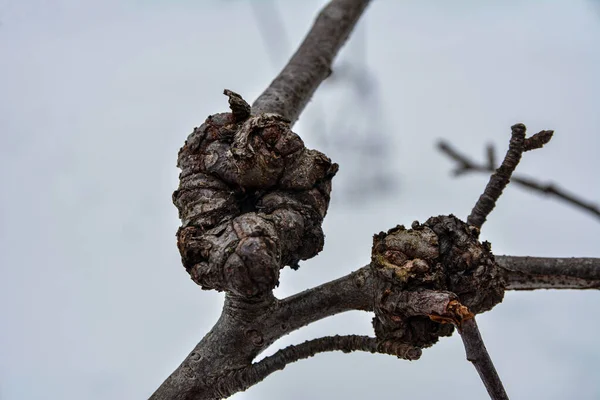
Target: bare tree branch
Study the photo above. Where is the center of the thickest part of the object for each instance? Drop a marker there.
(444, 307)
(244, 378)
(355, 290)
(467, 165)
(350, 292)
(291, 90)
(472, 340)
(478, 355)
(529, 273)
(538, 140)
(232, 343)
(252, 200)
(500, 178)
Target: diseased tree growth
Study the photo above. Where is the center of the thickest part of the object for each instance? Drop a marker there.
(252, 199)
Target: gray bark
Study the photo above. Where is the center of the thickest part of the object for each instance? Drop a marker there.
(252, 199)
(291, 90)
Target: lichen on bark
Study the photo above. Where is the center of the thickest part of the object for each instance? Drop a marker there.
(251, 199)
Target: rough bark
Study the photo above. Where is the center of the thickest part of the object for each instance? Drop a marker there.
(252, 200)
(291, 90)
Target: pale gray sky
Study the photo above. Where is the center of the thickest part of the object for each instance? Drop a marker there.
(98, 96)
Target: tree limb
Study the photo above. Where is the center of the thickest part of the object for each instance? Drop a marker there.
(500, 178)
(478, 355)
(530, 273)
(244, 378)
(291, 90)
(351, 292)
(231, 344)
(355, 290)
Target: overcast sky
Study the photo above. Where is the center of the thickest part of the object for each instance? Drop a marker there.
(96, 97)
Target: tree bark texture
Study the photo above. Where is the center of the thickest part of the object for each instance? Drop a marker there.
(252, 200)
(291, 90)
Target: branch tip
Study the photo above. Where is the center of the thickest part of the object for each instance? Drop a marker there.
(538, 140)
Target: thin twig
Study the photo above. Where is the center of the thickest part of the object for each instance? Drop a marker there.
(478, 355)
(467, 165)
(500, 178)
(246, 377)
(291, 90)
(538, 140)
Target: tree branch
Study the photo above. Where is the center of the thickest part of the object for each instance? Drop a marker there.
(231, 344)
(291, 90)
(350, 292)
(500, 178)
(530, 273)
(355, 290)
(244, 378)
(550, 189)
(478, 355)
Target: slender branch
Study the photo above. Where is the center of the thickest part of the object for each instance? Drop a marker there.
(500, 178)
(246, 377)
(538, 140)
(350, 292)
(291, 90)
(478, 355)
(550, 189)
(443, 307)
(529, 273)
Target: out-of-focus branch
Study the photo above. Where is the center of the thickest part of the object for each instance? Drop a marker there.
(244, 378)
(530, 273)
(291, 90)
(466, 165)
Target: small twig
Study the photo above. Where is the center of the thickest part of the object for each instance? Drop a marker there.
(538, 140)
(291, 90)
(478, 355)
(246, 377)
(500, 178)
(466, 165)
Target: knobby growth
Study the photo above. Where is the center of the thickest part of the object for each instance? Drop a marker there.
(252, 199)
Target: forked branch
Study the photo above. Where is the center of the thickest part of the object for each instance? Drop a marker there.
(466, 165)
(472, 340)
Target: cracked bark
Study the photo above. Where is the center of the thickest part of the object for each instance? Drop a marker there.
(252, 200)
